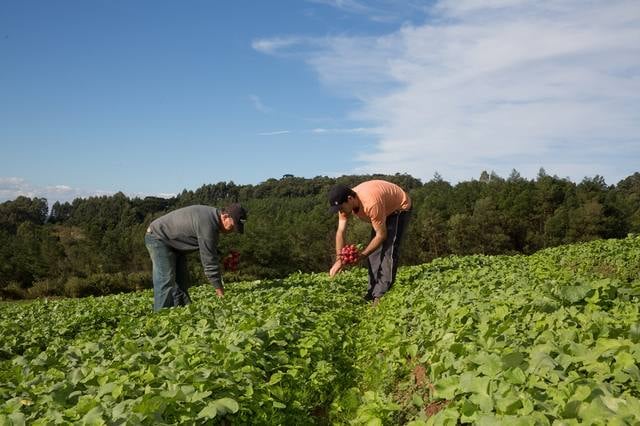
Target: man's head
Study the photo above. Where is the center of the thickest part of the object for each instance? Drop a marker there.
(338, 195)
(233, 218)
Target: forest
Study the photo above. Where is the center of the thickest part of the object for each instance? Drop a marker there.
(95, 246)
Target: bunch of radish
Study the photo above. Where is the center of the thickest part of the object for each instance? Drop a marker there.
(349, 254)
(230, 262)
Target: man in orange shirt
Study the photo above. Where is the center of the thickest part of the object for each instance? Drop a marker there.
(388, 208)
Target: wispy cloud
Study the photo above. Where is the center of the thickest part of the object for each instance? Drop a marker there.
(377, 10)
(365, 130)
(497, 84)
(257, 104)
(277, 132)
(277, 44)
(321, 130)
(14, 187)
(350, 6)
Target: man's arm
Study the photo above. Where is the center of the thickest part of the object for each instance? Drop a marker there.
(208, 243)
(340, 234)
(380, 229)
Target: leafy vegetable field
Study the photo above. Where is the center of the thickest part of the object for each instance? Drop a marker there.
(552, 338)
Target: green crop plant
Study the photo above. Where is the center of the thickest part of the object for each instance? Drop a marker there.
(551, 338)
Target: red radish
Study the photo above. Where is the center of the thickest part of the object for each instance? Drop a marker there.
(349, 254)
(230, 261)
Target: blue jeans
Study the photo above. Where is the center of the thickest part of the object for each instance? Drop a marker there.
(170, 274)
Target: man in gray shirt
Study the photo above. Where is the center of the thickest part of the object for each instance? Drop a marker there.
(170, 237)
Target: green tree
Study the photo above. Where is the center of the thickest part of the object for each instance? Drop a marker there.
(461, 234)
(427, 237)
(22, 209)
(487, 224)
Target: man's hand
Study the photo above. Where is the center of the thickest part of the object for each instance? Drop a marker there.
(337, 267)
(220, 292)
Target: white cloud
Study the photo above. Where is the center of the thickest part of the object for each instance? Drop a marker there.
(277, 132)
(13, 187)
(351, 6)
(496, 85)
(366, 130)
(276, 44)
(376, 10)
(321, 130)
(257, 104)
(463, 7)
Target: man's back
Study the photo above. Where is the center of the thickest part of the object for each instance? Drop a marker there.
(183, 228)
(379, 199)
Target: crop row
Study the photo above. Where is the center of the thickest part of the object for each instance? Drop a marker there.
(554, 337)
(270, 353)
(543, 339)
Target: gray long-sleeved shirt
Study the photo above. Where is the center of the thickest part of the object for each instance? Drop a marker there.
(193, 228)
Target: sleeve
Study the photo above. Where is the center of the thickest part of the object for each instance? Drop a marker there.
(208, 244)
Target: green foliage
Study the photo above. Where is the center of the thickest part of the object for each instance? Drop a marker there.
(46, 288)
(269, 353)
(12, 291)
(290, 230)
(104, 283)
(552, 338)
(22, 209)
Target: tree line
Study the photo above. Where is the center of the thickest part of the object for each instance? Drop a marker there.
(95, 246)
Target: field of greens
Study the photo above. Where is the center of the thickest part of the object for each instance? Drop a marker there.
(552, 338)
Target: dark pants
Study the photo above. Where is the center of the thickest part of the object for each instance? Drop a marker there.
(383, 263)
(170, 274)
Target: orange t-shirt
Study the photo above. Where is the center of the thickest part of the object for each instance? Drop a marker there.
(379, 199)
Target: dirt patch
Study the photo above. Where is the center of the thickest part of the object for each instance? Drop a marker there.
(320, 412)
(433, 408)
(420, 386)
(420, 375)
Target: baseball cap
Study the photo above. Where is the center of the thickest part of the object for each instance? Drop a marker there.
(338, 194)
(239, 215)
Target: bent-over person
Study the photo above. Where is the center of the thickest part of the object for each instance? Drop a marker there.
(171, 237)
(388, 208)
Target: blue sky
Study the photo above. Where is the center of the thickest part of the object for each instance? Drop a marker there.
(153, 97)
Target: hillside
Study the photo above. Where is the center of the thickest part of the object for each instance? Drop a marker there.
(553, 336)
(95, 246)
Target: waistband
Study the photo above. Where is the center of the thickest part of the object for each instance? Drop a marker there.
(400, 211)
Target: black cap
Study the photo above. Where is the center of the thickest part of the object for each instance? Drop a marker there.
(338, 195)
(239, 215)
